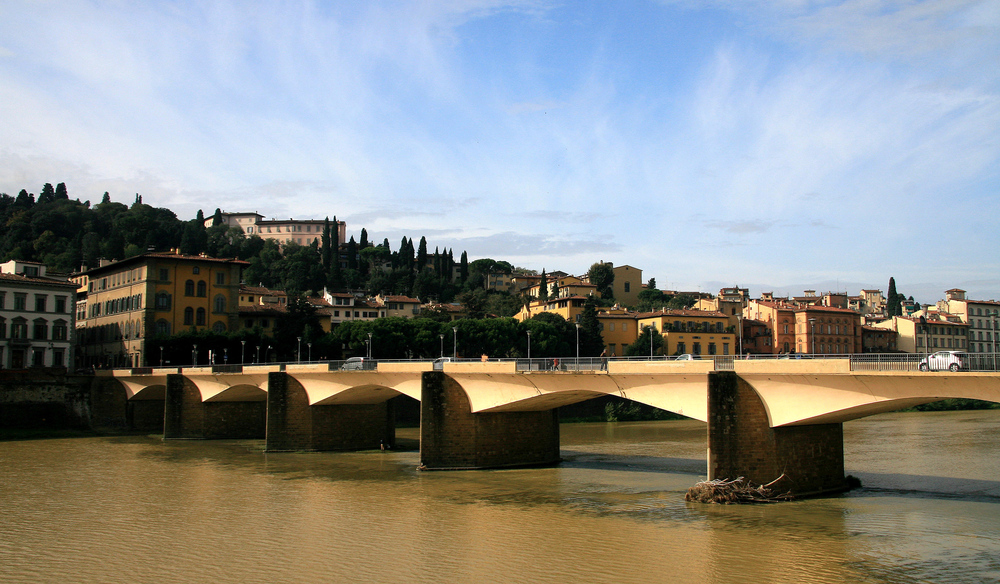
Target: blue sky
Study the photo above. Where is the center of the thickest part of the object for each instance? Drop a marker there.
(777, 145)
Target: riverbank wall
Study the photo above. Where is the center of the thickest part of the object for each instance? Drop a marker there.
(53, 399)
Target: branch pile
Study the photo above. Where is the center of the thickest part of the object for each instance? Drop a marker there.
(735, 491)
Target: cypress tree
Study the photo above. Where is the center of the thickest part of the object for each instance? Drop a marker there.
(61, 191)
(543, 287)
(463, 270)
(422, 254)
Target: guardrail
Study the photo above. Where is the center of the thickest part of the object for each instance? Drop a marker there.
(980, 362)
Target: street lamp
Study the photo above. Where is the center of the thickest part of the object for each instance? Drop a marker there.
(529, 349)
(369, 345)
(298, 354)
(578, 345)
(257, 358)
(310, 352)
(651, 329)
(812, 327)
(225, 355)
(243, 352)
(454, 343)
(194, 355)
(161, 355)
(441, 336)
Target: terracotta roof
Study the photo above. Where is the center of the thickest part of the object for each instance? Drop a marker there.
(689, 313)
(401, 299)
(35, 280)
(257, 309)
(161, 255)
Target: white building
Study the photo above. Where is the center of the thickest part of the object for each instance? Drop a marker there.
(36, 317)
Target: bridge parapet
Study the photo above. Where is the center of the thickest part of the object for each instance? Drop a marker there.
(792, 366)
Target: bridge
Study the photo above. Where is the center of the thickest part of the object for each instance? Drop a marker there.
(765, 417)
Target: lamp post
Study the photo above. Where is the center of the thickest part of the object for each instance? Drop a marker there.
(577, 345)
(225, 355)
(812, 327)
(161, 355)
(257, 358)
(310, 352)
(529, 349)
(369, 345)
(194, 355)
(243, 352)
(454, 342)
(441, 336)
(298, 350)
(269, 347)
(651, 329)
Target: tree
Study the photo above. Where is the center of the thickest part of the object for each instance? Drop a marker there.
(641, 345)
(543, 287)
(602, 276)
(591, 340)
(652, 284)
(894, 301)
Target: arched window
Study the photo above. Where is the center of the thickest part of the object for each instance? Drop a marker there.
(162, 327)
(219, 327)
(188, 315)
(201, 317)
(202, 288)
(162, 301)
(220, 303)
(189, 288)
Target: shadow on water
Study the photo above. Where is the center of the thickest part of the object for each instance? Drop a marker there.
(626, 463)
(927, 487)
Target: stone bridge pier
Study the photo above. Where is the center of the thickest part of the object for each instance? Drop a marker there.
(187, 414)
(294, 424)
(742, 443)
(453, 437)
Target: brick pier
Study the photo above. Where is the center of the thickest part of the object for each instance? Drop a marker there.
(452, 437)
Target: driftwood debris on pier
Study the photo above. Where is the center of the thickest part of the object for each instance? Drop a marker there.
(737, 490)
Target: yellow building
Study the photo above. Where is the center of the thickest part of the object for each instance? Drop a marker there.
(618, 329)
(696, 332)
(127, 303)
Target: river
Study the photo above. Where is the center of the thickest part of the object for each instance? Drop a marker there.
(137, 509)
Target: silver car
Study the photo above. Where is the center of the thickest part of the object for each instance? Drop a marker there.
(945, 361)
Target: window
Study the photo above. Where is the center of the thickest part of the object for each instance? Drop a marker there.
(711, 348)
(61, 304)
(3, 330)
(40, 301)
(164, 274)
(200, 317)
(20, 301)
(696, 348)
(41, 331)
(219, 327)
(189, 288)
(38, 358)
(624, 326)
(611, 327)
(264, 323)
(188, 316)
(2, 297)
(162, 327)
(220, 279)
(58, 358)
(196, 270)
(220, 303)
(59, 330)
(628, 286)
(162, 301)
(681, 348)
(202, 289)
(19, 329)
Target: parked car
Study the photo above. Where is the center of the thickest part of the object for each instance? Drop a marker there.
(945, 360)
(439, 363)
(355, 364)
(686, 357)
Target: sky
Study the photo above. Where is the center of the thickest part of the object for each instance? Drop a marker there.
(777, 145)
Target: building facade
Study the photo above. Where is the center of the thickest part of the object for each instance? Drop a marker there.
(982, 316)
(36, 317)
(125, 305)
(697, 332)
(302, 232)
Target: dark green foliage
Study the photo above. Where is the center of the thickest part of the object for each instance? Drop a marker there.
(894, 300)
(603, 276)
(591, 340)
(641, 345)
